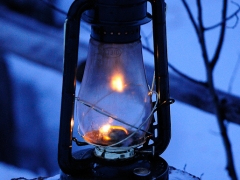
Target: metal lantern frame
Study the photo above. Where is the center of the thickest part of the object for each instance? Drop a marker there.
(86, 9)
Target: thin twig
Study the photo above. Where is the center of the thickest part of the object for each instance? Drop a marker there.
(175, 69)
(190, 16)
(52, 6)
(236, 22)
(233, 76)
(221, 36)
(226, 19)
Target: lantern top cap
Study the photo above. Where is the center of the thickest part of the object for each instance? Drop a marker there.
(118, 13)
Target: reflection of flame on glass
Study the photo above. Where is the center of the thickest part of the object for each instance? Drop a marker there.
(107, 129)
(117, 83)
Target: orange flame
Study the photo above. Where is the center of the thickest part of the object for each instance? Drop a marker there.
(105, 130)
(117, 83)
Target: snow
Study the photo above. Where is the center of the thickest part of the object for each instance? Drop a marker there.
(196, 145)
(37, 95)
(7, 172)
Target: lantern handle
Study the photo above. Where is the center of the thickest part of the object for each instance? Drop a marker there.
(67, 163)
(161, 75)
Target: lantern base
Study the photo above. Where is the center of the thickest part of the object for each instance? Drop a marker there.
(141, 166)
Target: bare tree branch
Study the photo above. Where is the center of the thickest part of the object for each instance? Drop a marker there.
(201, 34)
(209, 65)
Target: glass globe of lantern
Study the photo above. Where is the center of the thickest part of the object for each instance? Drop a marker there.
(114, 104)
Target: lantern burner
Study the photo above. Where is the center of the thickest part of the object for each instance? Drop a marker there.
(113, 153)
(139, 166)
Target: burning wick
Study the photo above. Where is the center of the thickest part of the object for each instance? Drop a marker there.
(107, 131)
(106, 135)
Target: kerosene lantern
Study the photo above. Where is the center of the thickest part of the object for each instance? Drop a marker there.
(125, 120)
